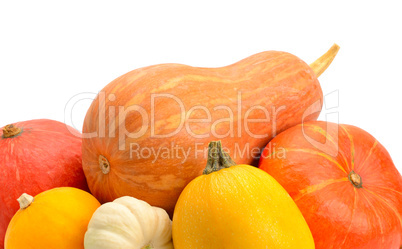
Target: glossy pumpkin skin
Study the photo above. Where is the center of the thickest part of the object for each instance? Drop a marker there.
(43, 156)
(238, 207)
(339, 214)
(57, 218)
(279, 82)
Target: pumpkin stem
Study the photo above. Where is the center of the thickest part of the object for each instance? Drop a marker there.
(25, 200)
(217, 158)
(104, 164)
(355, 179)
(11, 131)
(322, 63)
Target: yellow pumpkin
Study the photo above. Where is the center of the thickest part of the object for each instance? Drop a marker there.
(57, 218)
(237, 206)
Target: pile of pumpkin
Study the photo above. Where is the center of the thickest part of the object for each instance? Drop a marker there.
(314, 185)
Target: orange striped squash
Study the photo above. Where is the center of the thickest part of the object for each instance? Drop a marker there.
(145, 133)
(343, 181)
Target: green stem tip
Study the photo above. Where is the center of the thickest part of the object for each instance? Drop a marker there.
(217, 158)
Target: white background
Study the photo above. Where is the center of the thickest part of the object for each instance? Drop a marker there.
(52, 50)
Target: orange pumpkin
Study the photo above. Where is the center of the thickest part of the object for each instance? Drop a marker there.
(36, 155)
(145, 133)
(343, 181)
(56, 218)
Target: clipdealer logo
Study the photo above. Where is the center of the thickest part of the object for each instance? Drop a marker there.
(236, 126)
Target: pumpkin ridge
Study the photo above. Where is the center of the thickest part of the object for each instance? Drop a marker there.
(370, 152)
(317, 187)
(323, 132)
(376, 215)
(352, 146)
(386, 203)
(314, 152)
(351, 219)
(385, 188)
(273, 153)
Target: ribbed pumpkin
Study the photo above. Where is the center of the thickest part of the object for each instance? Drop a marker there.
(35, 156)
(129, 223)
(145, 133)
(344, 182)
(237, 206)
(57, 218)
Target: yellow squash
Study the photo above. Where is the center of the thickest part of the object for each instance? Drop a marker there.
(54, 219)
(237, 206)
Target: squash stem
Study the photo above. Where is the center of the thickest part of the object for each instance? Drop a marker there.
(322, 63)
(217, 158)
(25, 200)
(11, 131)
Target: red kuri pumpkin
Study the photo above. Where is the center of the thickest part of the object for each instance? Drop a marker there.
(35, 156)
(145, 133)
(344, 182)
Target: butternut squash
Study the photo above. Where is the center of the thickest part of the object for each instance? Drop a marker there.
(146, 132)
